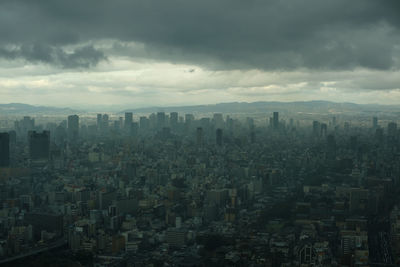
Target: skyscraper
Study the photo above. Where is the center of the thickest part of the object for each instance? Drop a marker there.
(160, 120)
(39, 145)
(128, 122)
(105, 123)
(316, 128)
(218, 120)
(99, 122)
(324, 129)
(189, 118)
(144, 123)
(73, 127)
(173, 120)
(375, 122)
(275, 120)
(4, 150)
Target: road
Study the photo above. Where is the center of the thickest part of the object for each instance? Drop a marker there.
(53, 245)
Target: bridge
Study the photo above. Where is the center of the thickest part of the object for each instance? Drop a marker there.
(53, 245)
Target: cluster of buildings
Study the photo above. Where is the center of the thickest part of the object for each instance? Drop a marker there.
(170, 190)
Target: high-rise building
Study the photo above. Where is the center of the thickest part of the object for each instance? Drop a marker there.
(316, 128)
(173, 120)
(4, 149)
(105, 123)
(219, 137)
(160, 120)
(189, 118)
(128, 121)
(324, 129)
(39, 145)
(375, 122)
(144, 123)
(99, 122)
(275, 120)
(73, 127)
(218, 120)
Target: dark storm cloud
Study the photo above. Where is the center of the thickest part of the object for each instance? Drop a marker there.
(225, 34)
(83, 57)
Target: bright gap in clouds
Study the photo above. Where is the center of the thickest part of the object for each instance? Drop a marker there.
(124, 82)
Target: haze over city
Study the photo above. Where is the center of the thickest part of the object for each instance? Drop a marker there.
(201, 133)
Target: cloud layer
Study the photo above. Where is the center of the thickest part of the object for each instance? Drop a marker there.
(182, 52)
(221, 34)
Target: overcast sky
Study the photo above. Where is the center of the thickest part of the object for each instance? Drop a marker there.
(181, 52)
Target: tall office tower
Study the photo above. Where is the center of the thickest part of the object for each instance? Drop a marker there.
(160, 120)
(275, 120)
(28, 123)
(324, 129)
(128, 122)
(73, 127)
(189, 118)
(39, 145)
(219, 137)
(375, 122)
(144, 123)
(152, 121)
(334, 121)
(105, 123)
(99, 122)
(173, 120)
(331, 147)
(199, 136)
(316, 128)
(218, 120)
(4, 149)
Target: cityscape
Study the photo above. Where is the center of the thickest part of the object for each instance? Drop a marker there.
(171, 189)
(208, 133)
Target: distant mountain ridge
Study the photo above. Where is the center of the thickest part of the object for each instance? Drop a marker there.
(316, 106)
(25, 109)
(264, 106)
